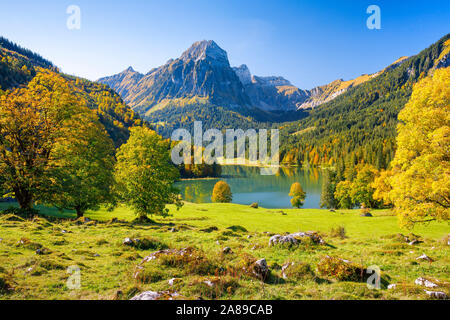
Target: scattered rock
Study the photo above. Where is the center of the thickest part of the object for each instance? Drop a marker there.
(366, 214)
(209, 229)
(82, 220)
(254, 205)
(424, 282)
(208, 283)
(425, 257)
(128, 242)
(279, 239)
(153, 295)
(261, 269)
(181, 252)
(227, 250)
(413, 242)
(174, 281)
(295, 238)
(392, 286)
(42, 251)
(436, 294)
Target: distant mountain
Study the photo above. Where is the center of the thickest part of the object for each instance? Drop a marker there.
(18, 66)
(203, 76)
(202, 71)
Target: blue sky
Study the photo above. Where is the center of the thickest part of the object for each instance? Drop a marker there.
(308, 42)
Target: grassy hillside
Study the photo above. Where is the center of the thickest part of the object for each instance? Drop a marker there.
(110, 269)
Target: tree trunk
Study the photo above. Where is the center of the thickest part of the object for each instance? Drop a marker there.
(80, 212)
(24, 198)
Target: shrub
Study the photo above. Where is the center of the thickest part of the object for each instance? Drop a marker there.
(338, 232)
(297, 270)
(193, 261)
(147, 244)
(149, 275)
(5, 286)
(237, 229)
(222, 193)
(214, 287)
(340, 269)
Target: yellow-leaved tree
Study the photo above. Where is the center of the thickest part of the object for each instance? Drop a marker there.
(32, 120)
(419, 182)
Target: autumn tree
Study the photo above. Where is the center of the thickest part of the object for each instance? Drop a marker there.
(343, 195)
(297, 194)
(32, 120)
(222, 193)
(145, 174)
(420, 179)
(84, 166)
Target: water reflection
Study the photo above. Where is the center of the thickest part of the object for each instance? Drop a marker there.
(248, 186)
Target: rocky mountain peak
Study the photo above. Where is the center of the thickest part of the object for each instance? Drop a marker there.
(206, 49)
(243, 74)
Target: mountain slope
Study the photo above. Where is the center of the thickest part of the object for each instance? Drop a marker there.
(202, 71)
(360, 124)
(18, 66)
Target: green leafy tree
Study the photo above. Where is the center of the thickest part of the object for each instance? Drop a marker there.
(362, 190)
(343, 195)
(297, 194)
(327, 199)
(145, 174)
(222, 193)
(84, 169)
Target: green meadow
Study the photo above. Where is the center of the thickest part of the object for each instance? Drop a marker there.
(35, 254)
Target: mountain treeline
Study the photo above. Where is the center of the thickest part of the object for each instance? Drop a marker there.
(360, 125)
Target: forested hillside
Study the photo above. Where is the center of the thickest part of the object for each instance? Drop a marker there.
(18, 66)
(360, 125)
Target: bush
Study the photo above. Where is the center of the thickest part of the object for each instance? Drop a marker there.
(297, 270)
(193, 261)
(213, 288)
(237, 229)
(5, 286)
(340, 269)
(147, 244)
(338, 232)
(222, 193)
(149, 275)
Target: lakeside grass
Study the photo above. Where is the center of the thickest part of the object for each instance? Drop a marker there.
(108, 267)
